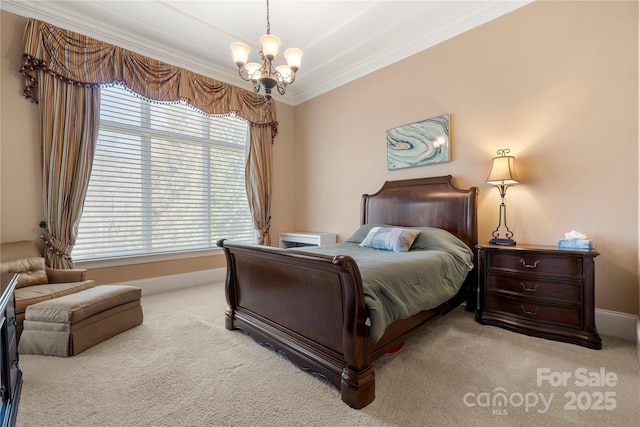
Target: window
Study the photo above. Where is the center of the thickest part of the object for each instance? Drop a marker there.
(165, 178)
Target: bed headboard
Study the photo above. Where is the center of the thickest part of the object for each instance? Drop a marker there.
(426, 202)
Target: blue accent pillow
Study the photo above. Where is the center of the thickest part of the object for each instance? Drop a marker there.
(362, 232)
(390, 239)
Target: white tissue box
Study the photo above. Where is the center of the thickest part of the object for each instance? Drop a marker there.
(574, 244)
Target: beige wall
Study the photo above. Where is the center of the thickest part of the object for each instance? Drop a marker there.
(556, 82)
(20, 167)
(20, 179)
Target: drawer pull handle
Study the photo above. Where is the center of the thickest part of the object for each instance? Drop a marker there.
(533, 313)
(524, 264)
(535, 288)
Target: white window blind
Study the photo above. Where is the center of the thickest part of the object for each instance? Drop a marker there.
(165, 178)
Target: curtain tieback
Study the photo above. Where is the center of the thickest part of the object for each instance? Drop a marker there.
(56, 245)
(266, 229)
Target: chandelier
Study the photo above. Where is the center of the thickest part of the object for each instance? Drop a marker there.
(266, 76)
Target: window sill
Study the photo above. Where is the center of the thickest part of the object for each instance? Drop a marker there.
(144, 259)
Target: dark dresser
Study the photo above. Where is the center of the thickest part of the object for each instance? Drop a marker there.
(541, 291)
(11, 375)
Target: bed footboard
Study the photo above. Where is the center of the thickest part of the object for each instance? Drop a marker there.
(309, 307)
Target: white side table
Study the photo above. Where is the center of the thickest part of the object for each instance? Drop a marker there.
(294, 239)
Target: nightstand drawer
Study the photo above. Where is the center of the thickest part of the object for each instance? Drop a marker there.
(537, 264)
(557, 291)
(562, 316)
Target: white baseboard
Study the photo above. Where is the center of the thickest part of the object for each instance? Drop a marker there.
(613, 323)
(616, 324)
(159, 284)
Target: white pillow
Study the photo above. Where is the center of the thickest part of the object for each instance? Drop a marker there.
(390, 239)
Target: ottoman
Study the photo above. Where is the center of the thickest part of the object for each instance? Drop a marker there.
(70, 324)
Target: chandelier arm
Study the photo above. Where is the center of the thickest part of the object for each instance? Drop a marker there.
(243, 73)
(292, 78)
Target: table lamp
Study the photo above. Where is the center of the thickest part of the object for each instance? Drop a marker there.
(503, 175)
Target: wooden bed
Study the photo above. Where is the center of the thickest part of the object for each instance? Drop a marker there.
(311, 307)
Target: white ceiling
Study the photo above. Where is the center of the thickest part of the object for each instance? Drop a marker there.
(341, 40)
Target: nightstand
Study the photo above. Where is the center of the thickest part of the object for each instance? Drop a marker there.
(294, 239)
(541, 291)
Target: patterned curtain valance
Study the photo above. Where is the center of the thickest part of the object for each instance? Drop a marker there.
(84, 61)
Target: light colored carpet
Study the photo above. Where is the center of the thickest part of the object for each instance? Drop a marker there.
(183, 368)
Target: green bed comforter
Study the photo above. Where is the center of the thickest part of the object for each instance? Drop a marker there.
(400, 284)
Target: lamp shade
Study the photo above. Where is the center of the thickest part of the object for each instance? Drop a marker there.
(503, 171)
(240, 52)
(294, 58)
(270, 45)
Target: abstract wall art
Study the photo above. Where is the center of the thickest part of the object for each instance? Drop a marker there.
(418, 144)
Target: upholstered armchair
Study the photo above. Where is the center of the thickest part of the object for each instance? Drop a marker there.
(36, 281)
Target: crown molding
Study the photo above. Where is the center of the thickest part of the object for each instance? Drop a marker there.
(96, 29)
(481, 12)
